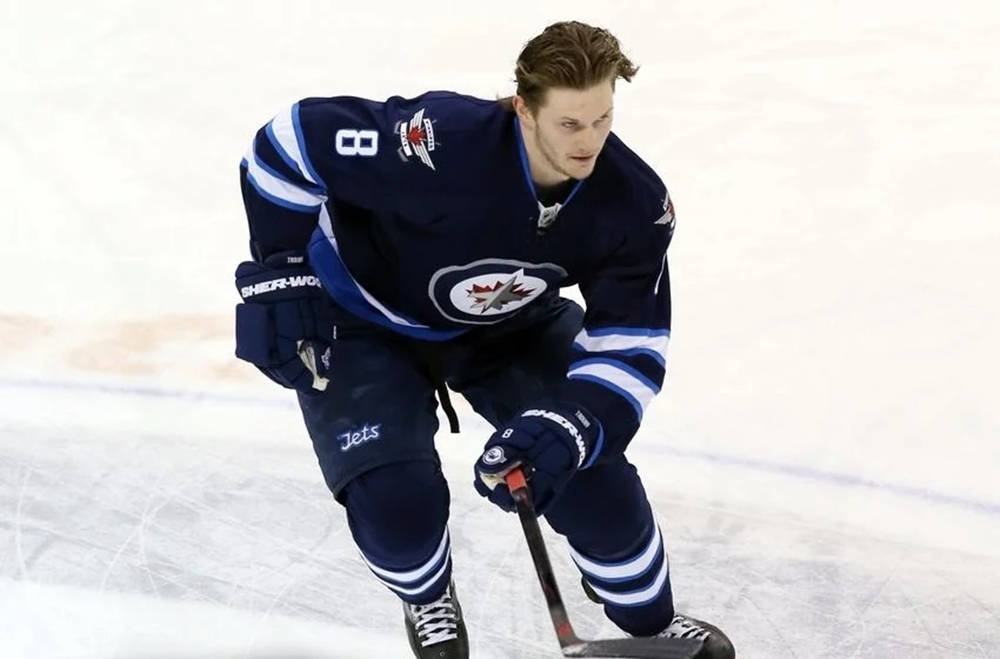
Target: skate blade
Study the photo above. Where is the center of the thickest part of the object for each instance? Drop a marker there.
(636, 648)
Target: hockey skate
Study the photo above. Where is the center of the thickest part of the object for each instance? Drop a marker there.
(437, 630)
(715, 644)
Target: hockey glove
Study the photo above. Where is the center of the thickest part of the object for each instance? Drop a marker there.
(550, 444)
(283, 326)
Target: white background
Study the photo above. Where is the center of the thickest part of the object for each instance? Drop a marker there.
(824, 456)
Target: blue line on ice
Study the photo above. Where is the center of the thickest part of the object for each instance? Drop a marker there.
(837, 478)
(147, 391)
(794, 470)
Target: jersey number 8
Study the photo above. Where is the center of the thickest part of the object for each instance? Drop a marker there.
(352, 142)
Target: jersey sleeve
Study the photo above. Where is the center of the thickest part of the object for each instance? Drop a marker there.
(316, 150)
(620, 355)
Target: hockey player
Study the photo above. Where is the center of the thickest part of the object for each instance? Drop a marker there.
(403, 246)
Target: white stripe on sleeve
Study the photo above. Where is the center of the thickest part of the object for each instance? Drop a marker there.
(637, 392)
(611, 341)
(278, 187)
(284, 131)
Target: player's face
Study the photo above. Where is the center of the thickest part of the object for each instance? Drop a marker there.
(568, 132)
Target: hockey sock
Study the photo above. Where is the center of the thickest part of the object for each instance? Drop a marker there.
(398, 516)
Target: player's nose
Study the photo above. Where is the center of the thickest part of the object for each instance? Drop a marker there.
(590, 140)
(581, 146)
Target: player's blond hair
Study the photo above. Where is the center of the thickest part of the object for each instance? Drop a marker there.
(569, 54)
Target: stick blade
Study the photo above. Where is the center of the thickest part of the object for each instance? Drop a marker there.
(636, 648)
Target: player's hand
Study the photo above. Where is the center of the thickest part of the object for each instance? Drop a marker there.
(283, 325)
(550, 443)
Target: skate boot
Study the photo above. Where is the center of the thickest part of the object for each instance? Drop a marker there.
(715, 644)
(437, 630)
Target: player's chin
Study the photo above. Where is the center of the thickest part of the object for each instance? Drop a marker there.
(581, 167)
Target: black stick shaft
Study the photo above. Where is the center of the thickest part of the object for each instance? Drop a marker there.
(569, 642)
(540, 557)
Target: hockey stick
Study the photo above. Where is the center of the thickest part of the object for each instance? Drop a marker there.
(571, 644)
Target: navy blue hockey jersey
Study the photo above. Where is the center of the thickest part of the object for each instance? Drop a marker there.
(420, 215)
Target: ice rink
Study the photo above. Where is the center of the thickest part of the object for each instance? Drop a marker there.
(824, 458)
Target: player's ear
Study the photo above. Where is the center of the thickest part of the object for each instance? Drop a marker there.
(523, 112)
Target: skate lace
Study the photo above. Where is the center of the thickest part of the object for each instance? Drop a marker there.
(435, 622)
(682, 627)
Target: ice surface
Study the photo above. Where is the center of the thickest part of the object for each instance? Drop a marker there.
(823, 459)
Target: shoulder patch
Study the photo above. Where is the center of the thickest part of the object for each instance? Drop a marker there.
(668, 213)
(416, 138)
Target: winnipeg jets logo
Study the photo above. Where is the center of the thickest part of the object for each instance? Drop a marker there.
(489, 290)
(547, 215)
(494, 456)
(499, 294)
(416, 138)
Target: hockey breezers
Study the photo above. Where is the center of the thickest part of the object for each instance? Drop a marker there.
(570, 644)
